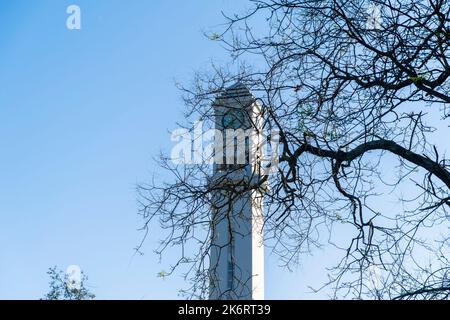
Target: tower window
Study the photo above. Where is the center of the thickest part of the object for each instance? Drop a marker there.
(230, 275)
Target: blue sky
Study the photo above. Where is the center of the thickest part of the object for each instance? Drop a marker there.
(82, 113)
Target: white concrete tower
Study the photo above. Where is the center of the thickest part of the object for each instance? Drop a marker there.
(237, 251)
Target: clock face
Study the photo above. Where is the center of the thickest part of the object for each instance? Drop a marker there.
(233, 119)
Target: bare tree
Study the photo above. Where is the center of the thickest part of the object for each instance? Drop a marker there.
(357, 89)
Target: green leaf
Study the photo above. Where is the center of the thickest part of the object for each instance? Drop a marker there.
(162, 274)
(215, 36)
(417, 79)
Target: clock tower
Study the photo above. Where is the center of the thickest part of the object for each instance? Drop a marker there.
(237, 251)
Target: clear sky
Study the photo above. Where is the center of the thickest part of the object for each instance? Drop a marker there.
(82, 113)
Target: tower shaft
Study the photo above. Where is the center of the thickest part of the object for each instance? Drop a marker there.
(237, 250)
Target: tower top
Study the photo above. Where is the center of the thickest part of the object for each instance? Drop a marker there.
(238, 89)
(237, 93)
